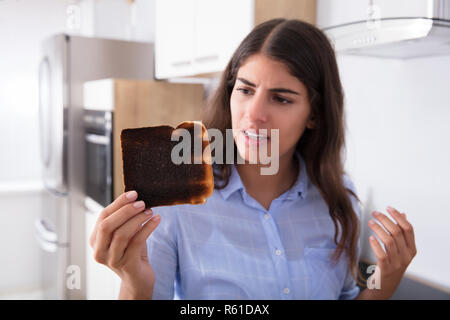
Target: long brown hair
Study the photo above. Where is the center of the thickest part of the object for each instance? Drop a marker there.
(310, 57)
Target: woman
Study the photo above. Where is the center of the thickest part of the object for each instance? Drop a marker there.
(289, 235)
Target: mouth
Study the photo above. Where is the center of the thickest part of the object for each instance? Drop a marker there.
(253, 134)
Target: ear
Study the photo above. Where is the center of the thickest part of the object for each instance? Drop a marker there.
(311, 123)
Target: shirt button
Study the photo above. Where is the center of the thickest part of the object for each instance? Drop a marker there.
(278, 252)
(286, 290)
(267, 216)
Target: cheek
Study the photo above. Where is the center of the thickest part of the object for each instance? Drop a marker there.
(291, 127)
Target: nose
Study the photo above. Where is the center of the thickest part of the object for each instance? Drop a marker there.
(256, 110)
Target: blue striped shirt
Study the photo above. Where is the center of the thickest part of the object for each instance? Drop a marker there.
(231, 247)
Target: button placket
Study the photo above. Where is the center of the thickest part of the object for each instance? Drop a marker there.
(277, 250)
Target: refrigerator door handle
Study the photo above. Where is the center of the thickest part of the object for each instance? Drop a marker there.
(45, 95)
(55, 192)
(44, 232)
(47, 246)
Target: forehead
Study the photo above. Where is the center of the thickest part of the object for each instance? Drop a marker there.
(262, 70)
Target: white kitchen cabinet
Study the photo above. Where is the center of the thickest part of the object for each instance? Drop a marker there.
(198, 37)
(175, 21)
(219, 28)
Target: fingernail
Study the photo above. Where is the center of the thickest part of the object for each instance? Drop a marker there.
(390, 208)
(148, 212)
(131, 194)
(371, 222)
(376, 214)
(157, 217)
(404, 215)
(372, 238)
(138, 204)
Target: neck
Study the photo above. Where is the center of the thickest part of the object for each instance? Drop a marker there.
(265, 188)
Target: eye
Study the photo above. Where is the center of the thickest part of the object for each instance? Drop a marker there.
(244, 91)
(277, 98)
(282, 100)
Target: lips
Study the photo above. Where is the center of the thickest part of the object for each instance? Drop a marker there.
(255, 134)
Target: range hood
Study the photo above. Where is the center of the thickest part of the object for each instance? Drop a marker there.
(387, 28)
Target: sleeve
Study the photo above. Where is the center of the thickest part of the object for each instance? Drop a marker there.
(350, 289)
(162, 253)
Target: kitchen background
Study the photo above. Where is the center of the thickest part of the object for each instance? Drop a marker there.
(398, 112)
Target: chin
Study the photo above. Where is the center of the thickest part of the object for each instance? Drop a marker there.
(250, 153)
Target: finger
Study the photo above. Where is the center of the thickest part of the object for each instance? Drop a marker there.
(382, 258)
(123, 235)
(120, 201)
(395, 231)
(122, 215)
(410, 238)
(140, 238)
(388, 241)
(107, 227)
(406, 227)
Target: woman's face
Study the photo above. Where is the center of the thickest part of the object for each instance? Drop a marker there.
(267, 96)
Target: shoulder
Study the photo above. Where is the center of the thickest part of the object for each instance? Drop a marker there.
(348, 184)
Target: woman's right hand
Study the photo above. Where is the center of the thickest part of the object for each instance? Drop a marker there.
(119, 242)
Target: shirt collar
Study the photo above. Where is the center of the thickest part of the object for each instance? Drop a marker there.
(299, 188)
(234, 184)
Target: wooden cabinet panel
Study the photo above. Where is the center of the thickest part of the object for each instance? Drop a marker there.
(304, 10)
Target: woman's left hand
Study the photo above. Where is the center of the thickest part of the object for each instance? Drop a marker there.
(400, 249)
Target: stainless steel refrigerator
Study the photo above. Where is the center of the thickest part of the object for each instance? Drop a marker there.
(67, 62)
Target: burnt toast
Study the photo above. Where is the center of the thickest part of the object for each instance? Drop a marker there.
(148, 165)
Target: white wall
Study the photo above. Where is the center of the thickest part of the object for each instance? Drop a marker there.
(398, 115)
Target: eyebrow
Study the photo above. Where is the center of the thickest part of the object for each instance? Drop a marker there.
(282, 90)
